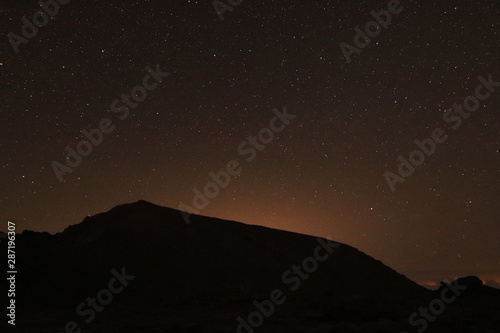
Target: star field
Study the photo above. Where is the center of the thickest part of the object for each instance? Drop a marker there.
(321, 175)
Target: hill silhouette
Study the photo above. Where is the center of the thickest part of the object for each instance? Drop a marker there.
(203, 276)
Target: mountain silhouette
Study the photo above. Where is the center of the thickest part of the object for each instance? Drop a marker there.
(211, 274)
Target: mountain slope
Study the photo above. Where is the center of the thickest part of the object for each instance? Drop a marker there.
(202, 276)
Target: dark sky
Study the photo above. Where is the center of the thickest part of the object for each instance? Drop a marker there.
(323, 174)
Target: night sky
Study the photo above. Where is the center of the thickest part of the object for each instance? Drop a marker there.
(322, 174)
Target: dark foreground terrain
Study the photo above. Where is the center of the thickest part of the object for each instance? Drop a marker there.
(140, 268)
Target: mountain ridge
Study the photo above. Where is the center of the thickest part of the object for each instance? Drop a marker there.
(209, 266)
